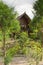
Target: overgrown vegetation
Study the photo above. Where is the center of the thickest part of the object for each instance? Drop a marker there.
(28, 45)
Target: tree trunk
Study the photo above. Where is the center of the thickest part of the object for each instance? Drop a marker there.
(4, 47)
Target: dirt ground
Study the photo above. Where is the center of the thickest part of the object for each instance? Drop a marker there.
(20, 61)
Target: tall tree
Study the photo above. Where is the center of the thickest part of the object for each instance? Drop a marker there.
(38, 7)
(37, 21)
(7, 18)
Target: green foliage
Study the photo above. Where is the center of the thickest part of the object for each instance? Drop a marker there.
(34, 50)
(36, 25)
(23, 37)
(11, 53)
(37, 53)
(24, 43)
(38, 7)
(15, 26)
(6, 16)
(37, 21)
(8, 22)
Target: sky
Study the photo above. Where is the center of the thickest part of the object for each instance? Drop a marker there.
(22, 6)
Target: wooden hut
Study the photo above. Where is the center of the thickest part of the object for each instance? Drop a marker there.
(24, 22)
